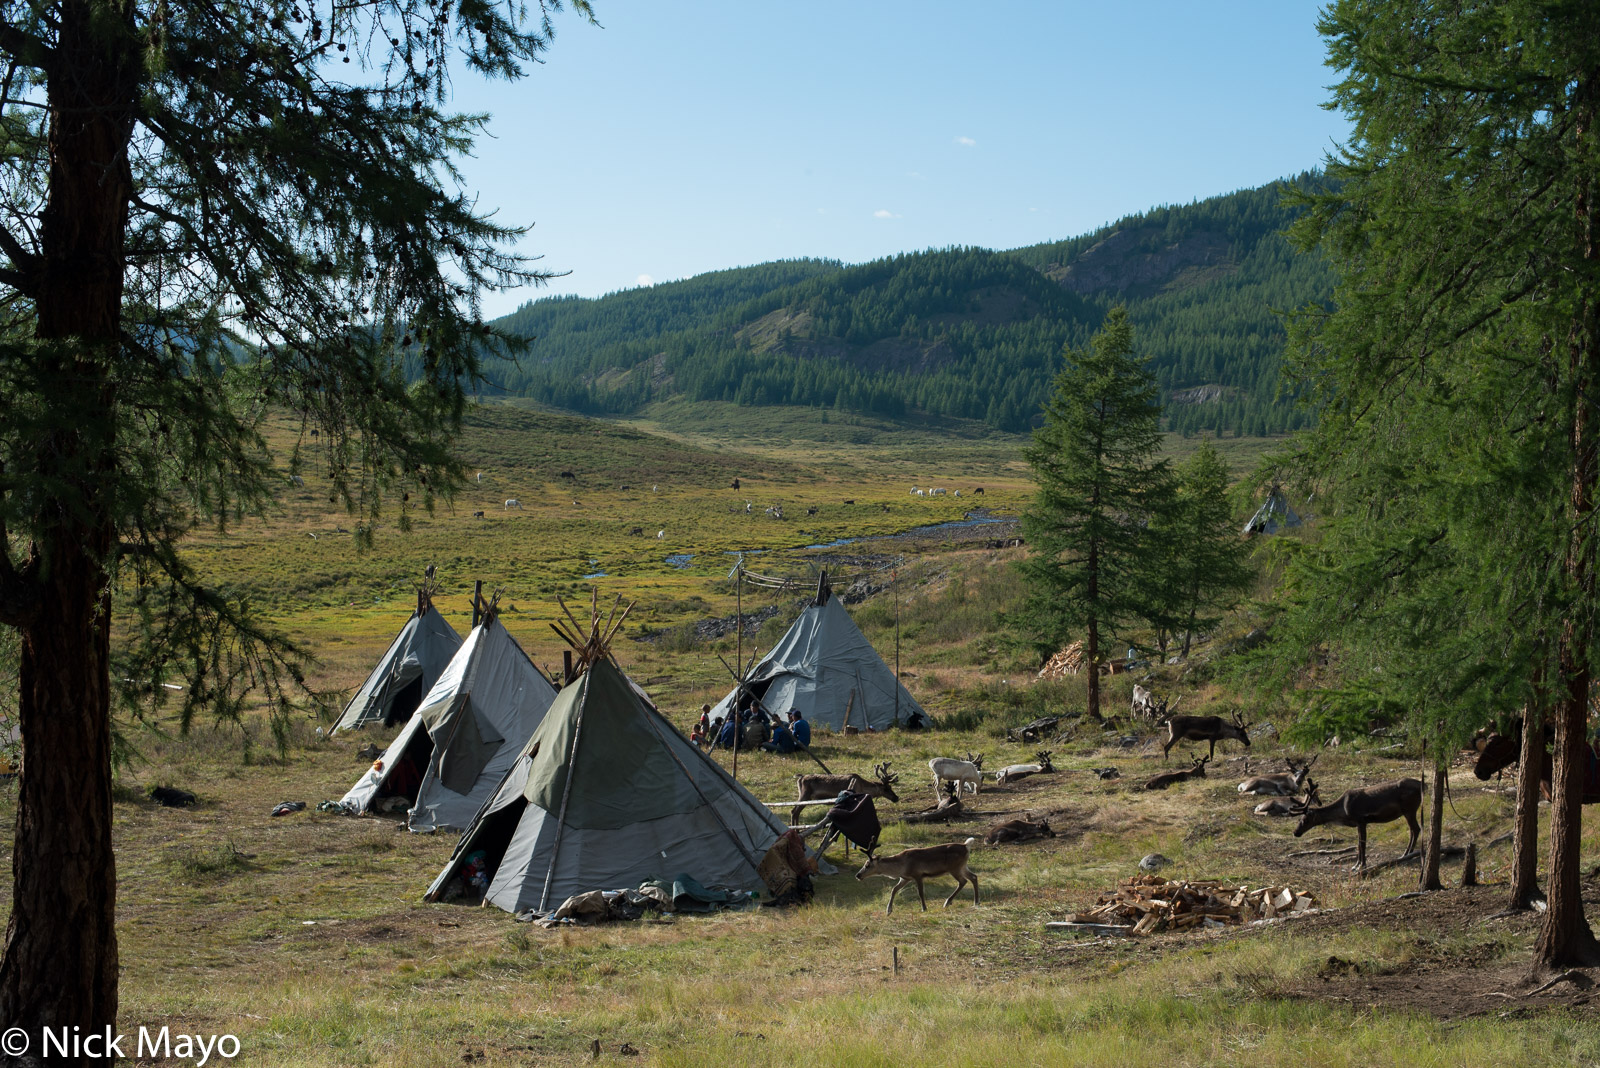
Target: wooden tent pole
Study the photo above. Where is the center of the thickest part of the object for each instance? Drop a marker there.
(743, 688)
(894, 580)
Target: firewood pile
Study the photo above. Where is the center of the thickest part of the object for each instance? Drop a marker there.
(1068, 661)
(1150, 904)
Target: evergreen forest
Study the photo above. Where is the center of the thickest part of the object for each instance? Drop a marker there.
(964, 332)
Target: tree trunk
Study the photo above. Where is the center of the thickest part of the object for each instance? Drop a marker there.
(1565, 939)
(1430, 856)
(60, 962)
(1091, 660)
(1525, 845)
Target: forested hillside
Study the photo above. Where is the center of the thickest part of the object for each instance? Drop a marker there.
(961, 332)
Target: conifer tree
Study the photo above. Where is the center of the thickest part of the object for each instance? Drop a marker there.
(212, 214)
(1089, 530)
(1458, 382)
(1207, 567)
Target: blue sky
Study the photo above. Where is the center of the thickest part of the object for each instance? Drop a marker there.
(684, 138)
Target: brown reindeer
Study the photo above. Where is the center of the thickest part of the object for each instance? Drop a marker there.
(924, 862)
(823, 787)
(1161, 782)
(1018, 831)
(1211, 729)
(1499, 751)
(1370, 804)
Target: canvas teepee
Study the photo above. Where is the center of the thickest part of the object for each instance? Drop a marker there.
(608, 794)
(469, 729)
(408, 670)
(824, 666)
(1274, 515)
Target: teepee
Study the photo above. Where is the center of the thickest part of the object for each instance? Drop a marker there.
(469, 729)
(413, 663)
(605, 795)
(825, 667)
(1274, 515)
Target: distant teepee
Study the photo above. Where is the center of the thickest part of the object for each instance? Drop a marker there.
(407, 671)
(1274, 515)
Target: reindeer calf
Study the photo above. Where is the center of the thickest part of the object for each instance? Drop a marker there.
(924, 862)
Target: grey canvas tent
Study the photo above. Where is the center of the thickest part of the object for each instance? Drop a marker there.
(407, 671)
(454, 751)
(1274, 515)
(605, 795)
(824, 666)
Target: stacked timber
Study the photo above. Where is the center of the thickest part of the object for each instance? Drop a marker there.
(1068, 661)
(1148, 904)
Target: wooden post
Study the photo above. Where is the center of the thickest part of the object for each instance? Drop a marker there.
(566, 666)
(894, 580)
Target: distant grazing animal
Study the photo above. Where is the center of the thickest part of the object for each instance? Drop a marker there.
(937, 491)
(636, 532)
(311, 534)
(1211, 729)
(1370, 804)
(958, 494)
(297, 480)
(480, 477)
(977, 491)
(949, 769)
(1283, 784)
(1018, 831)
(924, 862)
(734, 484)
(822, 787)
(852, 500)
(1161, 782)
(568, 474)
(812, 510)
(512, 502)
(660, 534)
(477, 515)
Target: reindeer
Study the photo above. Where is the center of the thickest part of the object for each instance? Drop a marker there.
(952, 770)
(823, 787)
(1166, 779)
(924, 862)
(1017, 772)
(1204, 729)
(1018, 831)
(1291, 806)
(1369, 804)
(1145, 705)
(1498, 751)
(1283, 784)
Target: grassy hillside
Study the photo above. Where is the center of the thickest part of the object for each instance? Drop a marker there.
(961, 333)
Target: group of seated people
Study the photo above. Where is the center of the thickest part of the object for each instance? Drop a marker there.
(755, 730)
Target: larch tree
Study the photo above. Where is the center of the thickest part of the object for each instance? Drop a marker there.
(1457, 380)
(1207, 568)
(212, 213)
(1093, 529)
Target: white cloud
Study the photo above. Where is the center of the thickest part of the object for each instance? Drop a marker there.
(644, 280)
(966, 142)
(884, 213)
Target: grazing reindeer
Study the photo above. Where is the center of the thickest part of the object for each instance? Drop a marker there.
(1017, 772)
(1370, 804)
(824, 787)
(1211, 729)
(924, 862)
(1283, 784)
(1145, 705)
(1018, 831)
(1291, 806)
(1161, 782)
(949, 769)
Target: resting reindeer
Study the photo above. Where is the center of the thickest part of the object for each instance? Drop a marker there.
(824, 787)
(1291, 806)
(1161, 782)
(1283, 784)
(1018, 831)
(1017, 772)
(924, 862)
(1370, 804)
(949, 769)
(1211, 729)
